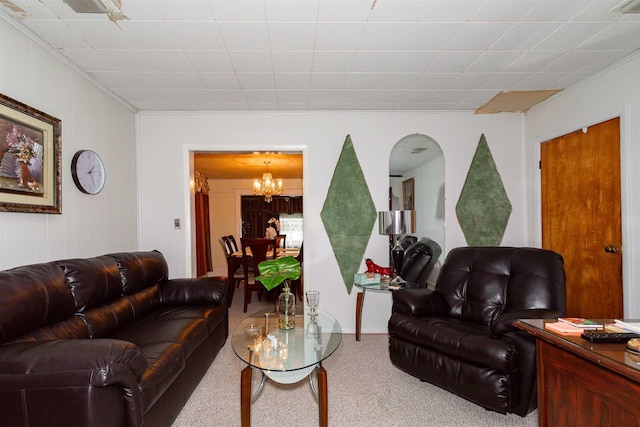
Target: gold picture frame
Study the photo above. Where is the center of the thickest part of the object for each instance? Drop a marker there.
(30, 159)
(408, 200)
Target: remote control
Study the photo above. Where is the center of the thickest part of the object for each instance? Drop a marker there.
(609, 337)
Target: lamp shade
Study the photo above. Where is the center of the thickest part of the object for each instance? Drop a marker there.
(395, 222)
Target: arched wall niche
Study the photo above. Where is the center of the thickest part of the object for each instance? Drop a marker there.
(419, 157)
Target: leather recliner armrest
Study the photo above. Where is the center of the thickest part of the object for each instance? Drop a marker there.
(76, 362)
(504, 323)
(419, 302)
(205, 290)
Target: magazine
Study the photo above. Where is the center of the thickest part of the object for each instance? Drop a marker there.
(581, 322)
(629, 325)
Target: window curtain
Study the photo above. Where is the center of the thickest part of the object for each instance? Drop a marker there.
(203, 228)
(256, 212)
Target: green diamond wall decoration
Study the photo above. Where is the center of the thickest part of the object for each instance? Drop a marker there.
(348, 213)
(483, 209)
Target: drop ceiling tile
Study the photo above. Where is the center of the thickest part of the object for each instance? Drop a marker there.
(57, 34)
(480, 96)
(245, 35)
(586, 61)
(234, 10)
(554, 11)
(324, 97)
(503, 10)
(261, 96)
(382, 106)
(398, 80)
(570, 36)
(384, 36)
(356, 97)
(287, 61)
(624, 35)
(569, 79)
(412, 61)
(344, 10)
(264, 106)
(246, 61)
(210, 60)
(39, 10)
(534, 60)
(129, 80)
(471, 80)
(524, 35)
(149, 34)
(373, 61)
(420, 96)
(224, 96)
(477, 36)
(453, 62)
(291, 10)
(506, 81)
(234, 106)
(338, 36)
(113, 60)
(493, 62)
(450, 10)
(168, 60)
(222, 81)
(362, 80)
(435, 81)
(280, 36)
(540, 81)
(397, 11)
(328, 80)
(451, 96)
(197, 35)
(140, 9)
(191, 10)
(432, 37)
(353, 106)
(293, 96)
(292, 80)
(256, 80)
(598, 11)
(100, 34)
(185, 81)
(387, 96)
(333, 61)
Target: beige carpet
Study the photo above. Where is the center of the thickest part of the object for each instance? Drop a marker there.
(364, 390)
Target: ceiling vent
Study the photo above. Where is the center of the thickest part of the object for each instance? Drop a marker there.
(418, 150)
(627, 6)
(95, 6)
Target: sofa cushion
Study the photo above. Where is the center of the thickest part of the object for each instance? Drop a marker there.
(139, 270)
(33, 296)
(462, 340)
(93, 281)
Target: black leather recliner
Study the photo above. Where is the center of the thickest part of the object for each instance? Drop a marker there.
(461, 337)
(419, 261)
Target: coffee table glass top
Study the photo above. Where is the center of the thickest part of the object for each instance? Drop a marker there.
(308, 344)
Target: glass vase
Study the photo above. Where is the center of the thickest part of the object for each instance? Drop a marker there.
(286, 310)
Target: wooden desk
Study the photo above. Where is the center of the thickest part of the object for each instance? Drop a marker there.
(582, 383)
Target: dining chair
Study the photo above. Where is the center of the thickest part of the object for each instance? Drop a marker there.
(232, 240)
(258, 248)
(235, 271)
(298, 285)
(281, 241)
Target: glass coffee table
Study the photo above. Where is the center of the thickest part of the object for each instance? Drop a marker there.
(285, 356)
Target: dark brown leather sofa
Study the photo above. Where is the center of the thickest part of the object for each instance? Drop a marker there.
(461, 337)
(105, 341)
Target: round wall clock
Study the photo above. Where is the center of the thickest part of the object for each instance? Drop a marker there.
(88, 171)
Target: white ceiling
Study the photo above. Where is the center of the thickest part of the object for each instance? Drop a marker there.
(333, 54)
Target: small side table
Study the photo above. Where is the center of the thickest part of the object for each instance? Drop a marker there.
(376, 287)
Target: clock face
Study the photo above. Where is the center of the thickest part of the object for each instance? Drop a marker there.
(88, 172)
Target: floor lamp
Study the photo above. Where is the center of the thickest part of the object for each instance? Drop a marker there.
(395, 223)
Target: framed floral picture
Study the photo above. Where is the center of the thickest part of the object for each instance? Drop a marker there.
(30, 159)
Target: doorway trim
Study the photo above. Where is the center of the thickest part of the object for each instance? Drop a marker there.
(188, 168)
(629, 293)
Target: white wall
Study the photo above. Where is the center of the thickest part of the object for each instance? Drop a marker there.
(166, 139)
(91, 119)
(613, 93)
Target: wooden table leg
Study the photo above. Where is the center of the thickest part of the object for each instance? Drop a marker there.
(323, 401)
(359, 303)
(245, 396)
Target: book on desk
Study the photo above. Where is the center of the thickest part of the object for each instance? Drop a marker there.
(581, 322)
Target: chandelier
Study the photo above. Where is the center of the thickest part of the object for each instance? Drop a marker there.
(267, 186)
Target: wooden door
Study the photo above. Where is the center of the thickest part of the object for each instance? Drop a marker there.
(581, 219)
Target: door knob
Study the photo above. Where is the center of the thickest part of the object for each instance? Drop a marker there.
(611, 249)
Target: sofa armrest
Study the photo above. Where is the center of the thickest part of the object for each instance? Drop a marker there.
(419, 302)
(504, 323)
(204, 290)
(75, 362)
